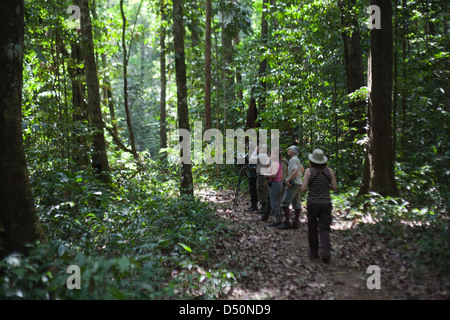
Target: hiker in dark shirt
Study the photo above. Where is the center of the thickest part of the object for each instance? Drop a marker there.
(251, 176)
(319, 179)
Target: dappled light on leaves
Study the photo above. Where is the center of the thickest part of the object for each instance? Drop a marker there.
(105, 175)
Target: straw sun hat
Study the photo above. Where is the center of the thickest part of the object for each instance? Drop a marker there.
(317, 157)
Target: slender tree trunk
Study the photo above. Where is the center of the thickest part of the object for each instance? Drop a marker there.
(227, 57)
(430, 28)
(125, 83)
(263, 61)
(254, 105)
(208, 64)
(162, 63)
(216, 49)
(78, 89)
(18, 217)
(109, 101)
(240, 92)
(99, 156)
(186, 187)
(106, 88)
(365, 181)
(252, 110)
(80, 114)
(395, 80)
(381, 155)
(404, 87)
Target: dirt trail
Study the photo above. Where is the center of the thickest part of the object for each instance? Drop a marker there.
(273, 264)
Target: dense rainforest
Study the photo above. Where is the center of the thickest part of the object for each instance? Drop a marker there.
(94, 95)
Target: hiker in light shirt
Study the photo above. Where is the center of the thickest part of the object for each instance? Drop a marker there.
(292, 191)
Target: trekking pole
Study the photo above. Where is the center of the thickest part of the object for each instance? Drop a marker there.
(237, 189)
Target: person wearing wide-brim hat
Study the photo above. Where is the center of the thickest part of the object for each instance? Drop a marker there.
(319, 180)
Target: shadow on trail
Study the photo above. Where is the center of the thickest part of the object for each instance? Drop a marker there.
(270, 263)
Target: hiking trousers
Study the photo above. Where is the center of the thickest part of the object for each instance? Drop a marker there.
(262, 189)
(319, 224)
(253, 191)
(276, 191)
(292, 195)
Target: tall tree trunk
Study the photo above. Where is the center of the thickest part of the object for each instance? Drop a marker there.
(208, 64)
(186, 187)
(252, 111)
(240, 92)
(253, 104)
(263, 61)
(125, 83)
(227, 56)
(162, 63)
(365, 181)
(353, 63)
(405, 54)
(106, 88)
(381, 155)
(395, 80)
(355, 79)
(216, 49)
(109, 101)
(80, 114)
(18, 215)
(99, 156)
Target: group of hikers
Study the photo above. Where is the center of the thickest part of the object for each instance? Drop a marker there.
(276, 183)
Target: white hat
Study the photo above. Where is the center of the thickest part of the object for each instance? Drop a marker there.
(294, 149)
(318, 157)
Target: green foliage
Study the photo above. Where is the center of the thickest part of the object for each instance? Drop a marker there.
(134, 239)
(26, 277)
(424, 227)
(433, 246)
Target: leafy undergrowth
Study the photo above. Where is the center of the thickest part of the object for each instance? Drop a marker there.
(137, 239)
(134, 239)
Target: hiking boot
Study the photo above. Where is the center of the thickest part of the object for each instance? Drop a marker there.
(252, 208)
(296, 225)
(325, 258)
(285, 225)
(264, 218)
(313, 255)
(274, 224)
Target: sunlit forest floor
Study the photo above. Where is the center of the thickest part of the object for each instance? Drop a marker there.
(140, 240)
(271, 263)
